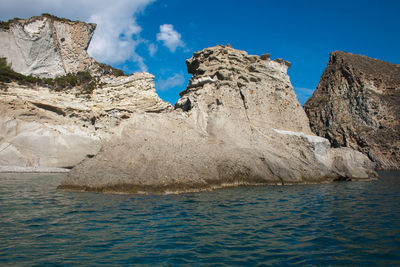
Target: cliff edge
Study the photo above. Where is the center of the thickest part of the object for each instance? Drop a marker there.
(357, 105)
(46, 46)
(57, 122)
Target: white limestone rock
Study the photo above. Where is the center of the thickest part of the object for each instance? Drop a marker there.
(47, 46)
(44, 128)
(243, 87)
(36, 144)
(237, 123)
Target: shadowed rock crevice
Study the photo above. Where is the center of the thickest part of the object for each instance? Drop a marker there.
(51, 108)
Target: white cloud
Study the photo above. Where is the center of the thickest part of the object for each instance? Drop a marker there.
(115, 19)
(170, 37)
(152, 49)
(175, 80)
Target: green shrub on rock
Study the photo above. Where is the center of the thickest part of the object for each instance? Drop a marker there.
(81, 79)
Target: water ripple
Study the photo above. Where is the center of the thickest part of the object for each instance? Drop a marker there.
(335, 224)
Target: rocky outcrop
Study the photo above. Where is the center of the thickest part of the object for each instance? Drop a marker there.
(44, 126)
(233, 84)
(238, 122)
(357, 105)
(47, 46)
(41, 127)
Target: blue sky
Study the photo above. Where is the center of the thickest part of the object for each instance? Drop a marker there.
(158, 36)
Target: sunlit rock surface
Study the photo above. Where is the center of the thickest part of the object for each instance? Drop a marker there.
(47, 46)
(42, 126)
(237, 123)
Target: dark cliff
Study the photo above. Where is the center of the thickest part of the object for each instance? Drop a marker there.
(357, 105)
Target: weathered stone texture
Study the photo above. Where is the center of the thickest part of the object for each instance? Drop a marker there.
(357, 105)
(244, 87)
(41, 127)
(237, 123)
(47, 46)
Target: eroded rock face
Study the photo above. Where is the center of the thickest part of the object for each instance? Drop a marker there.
(237, 123)
(47, 46)
(231, 83)
(43, 128)
(357, 105)
(26, 143)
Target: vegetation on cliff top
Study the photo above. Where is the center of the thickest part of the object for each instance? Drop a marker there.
(5, 25)
(83, 79)
(107, 69)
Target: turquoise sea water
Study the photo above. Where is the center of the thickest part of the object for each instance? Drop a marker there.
(343, 223)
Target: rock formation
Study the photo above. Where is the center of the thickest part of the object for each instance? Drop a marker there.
(238, 122)
(41, 126)
(46, 46)
(232, 84)
(357, 105)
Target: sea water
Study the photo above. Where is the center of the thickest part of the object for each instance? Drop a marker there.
(342, 223)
